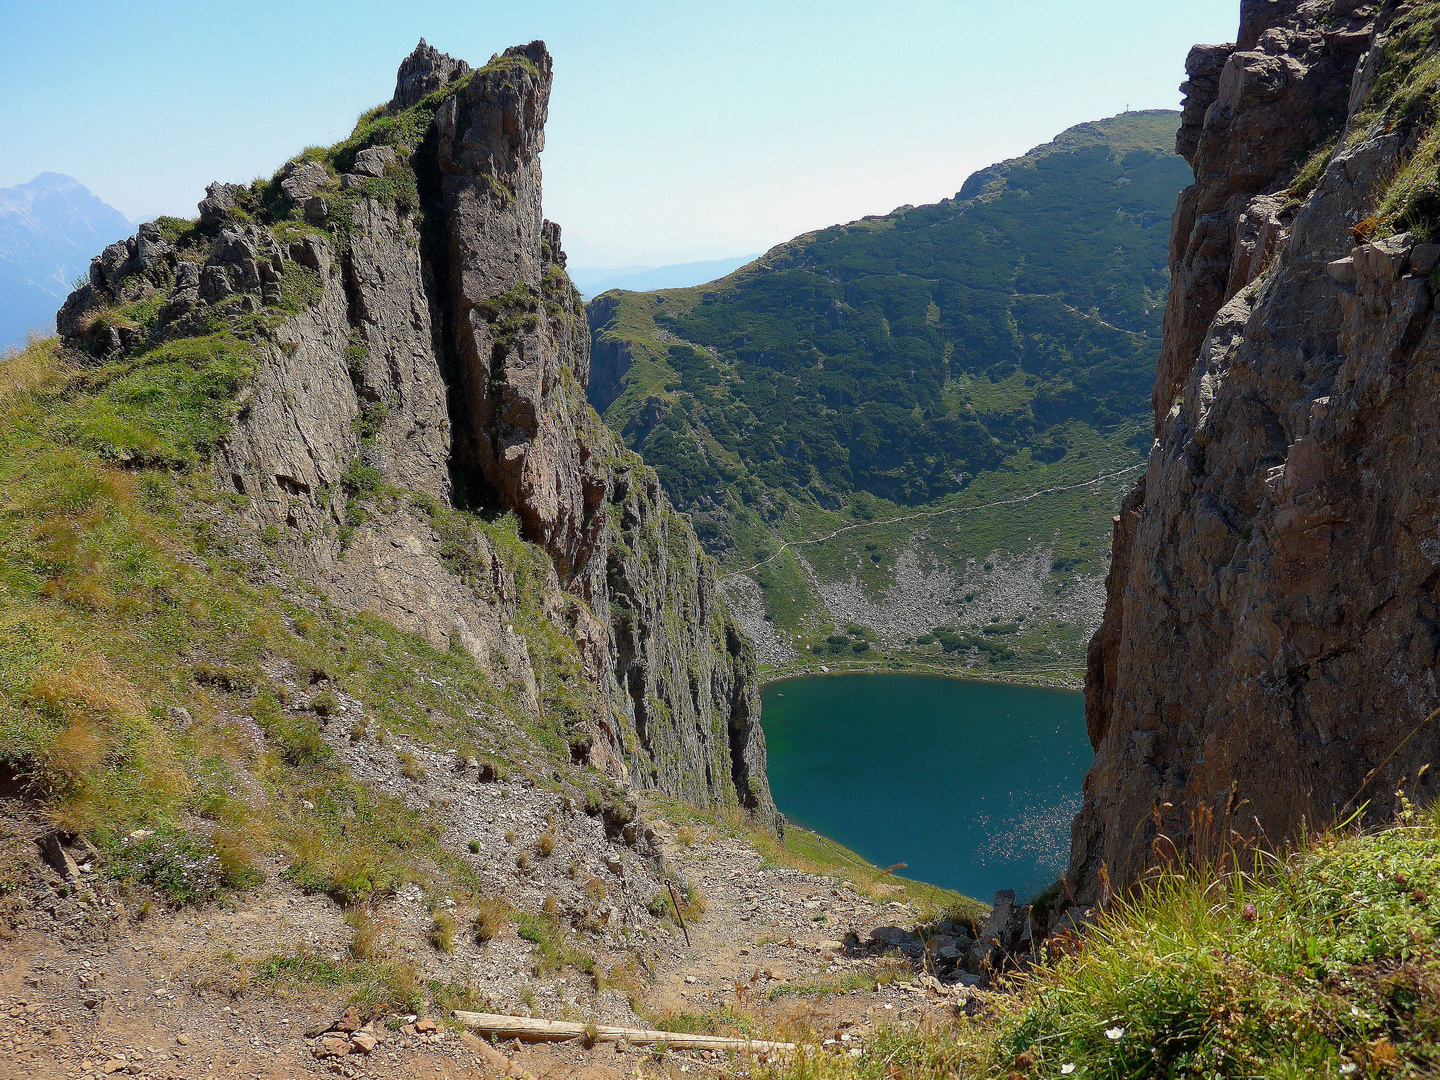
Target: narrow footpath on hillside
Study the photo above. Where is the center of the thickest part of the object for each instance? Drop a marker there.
(1014, 501)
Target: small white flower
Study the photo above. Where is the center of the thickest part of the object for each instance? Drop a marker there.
(1067, 1069)
(1355, 1010)
(1114, 1033)
(1349, 1069)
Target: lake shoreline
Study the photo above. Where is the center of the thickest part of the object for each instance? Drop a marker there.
(1068, 680)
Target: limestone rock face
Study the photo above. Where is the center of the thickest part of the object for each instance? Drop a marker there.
(448, 365)
(1272, 626)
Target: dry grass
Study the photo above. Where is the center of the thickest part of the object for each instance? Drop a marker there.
(36, 367)
(364, 934)
(490, 917)
(442, 932)
(411, 766)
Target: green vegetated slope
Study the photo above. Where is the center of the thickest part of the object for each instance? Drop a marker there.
(989, 345)
(1319, 964)
(129, 595)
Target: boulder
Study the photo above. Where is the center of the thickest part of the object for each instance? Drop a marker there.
(330, 1047)
(107, 268)
(218, 203)
(887, 938)
(372, 162)
(152, 251)
(55, 855)
(79, 307)
(363, 1041)
(301, 179)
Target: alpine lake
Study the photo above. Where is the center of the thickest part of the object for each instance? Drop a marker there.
(971, 785)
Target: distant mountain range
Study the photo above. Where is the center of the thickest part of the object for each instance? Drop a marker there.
(643, 278)
(49, 230)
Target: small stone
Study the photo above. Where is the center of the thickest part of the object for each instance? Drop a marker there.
(329, 1047)
(690, 979)
(426, 1026)
(363, 1041)
(349, 1022)
(114, 1065)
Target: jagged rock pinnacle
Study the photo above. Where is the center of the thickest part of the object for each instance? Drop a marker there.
(424, 71)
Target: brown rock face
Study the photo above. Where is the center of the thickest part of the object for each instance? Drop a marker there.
(1272, 627)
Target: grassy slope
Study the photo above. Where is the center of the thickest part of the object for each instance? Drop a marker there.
(125, 595)
(853, 374)
(1323, 964)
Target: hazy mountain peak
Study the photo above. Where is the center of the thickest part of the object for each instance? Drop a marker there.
(50, 227)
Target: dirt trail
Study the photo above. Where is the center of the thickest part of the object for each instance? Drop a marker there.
(89, 988)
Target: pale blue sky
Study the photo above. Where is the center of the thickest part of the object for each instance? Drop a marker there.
(677, 131)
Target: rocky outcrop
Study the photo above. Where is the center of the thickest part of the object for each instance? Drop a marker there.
(1273, 625)
(406, 371)
(423, 72)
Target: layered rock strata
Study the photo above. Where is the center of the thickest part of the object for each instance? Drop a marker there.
(1267, 658)
(420, 349)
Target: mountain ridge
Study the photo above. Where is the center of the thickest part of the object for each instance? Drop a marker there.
(856, 372)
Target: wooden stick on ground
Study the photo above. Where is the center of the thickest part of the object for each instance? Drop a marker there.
(528, 1030)
(676, 901)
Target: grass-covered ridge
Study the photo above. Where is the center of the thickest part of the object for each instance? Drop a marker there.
(1320, 964)
(902, 355)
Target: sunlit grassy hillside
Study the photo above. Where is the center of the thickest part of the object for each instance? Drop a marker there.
(1321, 964)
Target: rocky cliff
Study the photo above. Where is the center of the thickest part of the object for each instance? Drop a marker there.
(420, 360)
(1272, 626)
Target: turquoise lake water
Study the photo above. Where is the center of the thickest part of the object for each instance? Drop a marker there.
(972, 785)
